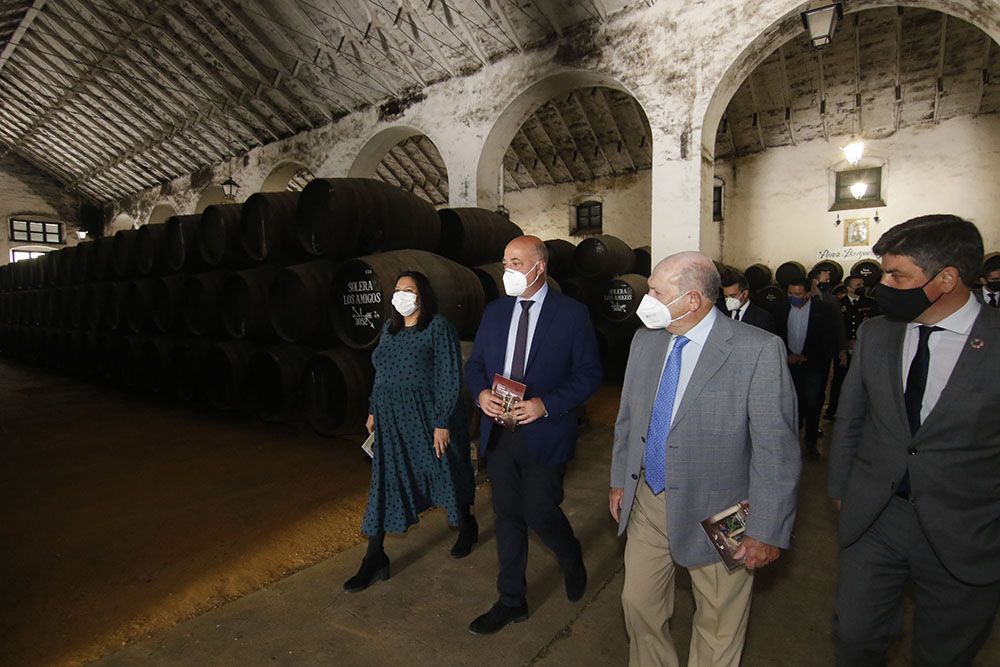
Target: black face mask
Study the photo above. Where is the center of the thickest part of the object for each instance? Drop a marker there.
(904, 304)
(993, 285)
(823, 287)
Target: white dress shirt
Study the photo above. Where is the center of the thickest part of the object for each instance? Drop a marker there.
(689, 357)
(987, 294)
(798, 327)
(739, 313)
(944, 347)
(536, 309)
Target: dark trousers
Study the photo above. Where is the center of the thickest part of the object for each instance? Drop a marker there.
(839, 373)
(952, 619)
(810, 382)
(526, 494)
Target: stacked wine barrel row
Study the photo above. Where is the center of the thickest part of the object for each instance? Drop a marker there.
(271, 306)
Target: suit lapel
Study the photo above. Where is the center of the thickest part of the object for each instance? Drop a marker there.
(717, 350)
(894, 346)
(549, 309)
(653, 369)
(499, 352)
(967, 370)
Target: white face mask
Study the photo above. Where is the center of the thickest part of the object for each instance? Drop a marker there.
(655, 314)
(732, 303)
(515, 283)
(405, 303)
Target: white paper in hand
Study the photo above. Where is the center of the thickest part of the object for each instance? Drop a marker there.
(369, 445)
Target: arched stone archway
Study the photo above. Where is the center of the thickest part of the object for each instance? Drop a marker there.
(285, 176)
(213, 194)
(160, 213)
(407, 157)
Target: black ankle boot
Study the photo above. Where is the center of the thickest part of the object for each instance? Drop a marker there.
(468, 536)
(372, 569)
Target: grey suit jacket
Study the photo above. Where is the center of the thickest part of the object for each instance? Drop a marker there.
(953, 459)
(734, 437)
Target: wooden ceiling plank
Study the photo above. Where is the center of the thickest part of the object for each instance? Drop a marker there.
(593, 134)
(19, 32)
(603, 101)
(939, 85)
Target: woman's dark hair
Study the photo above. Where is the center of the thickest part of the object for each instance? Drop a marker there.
(934, 242)
(428, 302)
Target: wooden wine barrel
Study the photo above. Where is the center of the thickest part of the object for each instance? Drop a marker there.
(244, 304)
(473, 236)
(868, 270)
(219, 237)
(772, 297)
(95, 305)
(338, 383)
(101, 265)
(125, 357)
(788, 272)
(758, 275)
(33, 312)
(201, 302)
(151, 250)
(300, 302)
(491, 278)
(168, 317)
(227, 367)
(603, 256)
(267, 228)
(643, 261)
(614, 340)
(340, 218)
(123, 253)
(620, 297)
(83, 255)
(561, 258)
(276, 381)
(5, 278)
(112, 302)
(584, 290)
(79, 306)
(187, 368)
(139, 309)
(180, 235)
(835, 269)
(363, 290)
(63, 266)
(155, 363)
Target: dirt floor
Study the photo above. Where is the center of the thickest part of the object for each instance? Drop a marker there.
(123, 514)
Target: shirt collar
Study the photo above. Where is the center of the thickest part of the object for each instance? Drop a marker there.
(538, 297)
(960, 321)
(743, 309)
(986, 291)
(699, 332)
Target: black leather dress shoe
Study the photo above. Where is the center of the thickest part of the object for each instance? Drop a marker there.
(468, 536)
(372, 569)
(576, 582)
(497, 617)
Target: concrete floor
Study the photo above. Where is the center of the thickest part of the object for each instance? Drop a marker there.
(420, 615)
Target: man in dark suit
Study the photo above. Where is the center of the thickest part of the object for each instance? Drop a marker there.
(989, 293)
(809, 328)
(545, 340)
(736, 292)
(855, 308)
(915, 459)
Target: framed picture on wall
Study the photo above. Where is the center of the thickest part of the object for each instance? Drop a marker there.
(857, 231)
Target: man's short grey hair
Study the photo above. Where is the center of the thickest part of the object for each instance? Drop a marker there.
(698, 274)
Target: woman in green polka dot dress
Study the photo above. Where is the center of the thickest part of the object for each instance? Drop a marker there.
(422, 456)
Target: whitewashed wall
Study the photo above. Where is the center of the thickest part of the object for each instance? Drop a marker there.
(777, 201)
(548, 212)
(24, 190)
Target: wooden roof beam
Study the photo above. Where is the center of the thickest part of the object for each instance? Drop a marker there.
(22, 28)
(593, 133)
(939, 85)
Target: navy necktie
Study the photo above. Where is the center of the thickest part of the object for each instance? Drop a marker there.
(520, 343)
(655, 457)
(993, 299)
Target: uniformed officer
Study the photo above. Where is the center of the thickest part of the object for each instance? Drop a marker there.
(855, 307)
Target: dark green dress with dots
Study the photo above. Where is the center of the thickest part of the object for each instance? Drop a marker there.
(418, 377)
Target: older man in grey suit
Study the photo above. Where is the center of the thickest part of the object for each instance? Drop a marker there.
(915, 461)
(707, 419)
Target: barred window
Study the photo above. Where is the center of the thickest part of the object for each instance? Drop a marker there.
(588, 218)
(35, 231)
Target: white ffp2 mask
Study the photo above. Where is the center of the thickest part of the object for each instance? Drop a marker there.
(515, 283)
(405, 303)
(655, 314)
(732, 303)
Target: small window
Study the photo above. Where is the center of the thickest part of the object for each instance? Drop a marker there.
(717, 198)
(588, 218)
(871, 177)
(32, 231)
(18, 255)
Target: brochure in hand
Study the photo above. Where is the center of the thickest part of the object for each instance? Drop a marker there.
(726, 530)
(510, 392)
(368, 446)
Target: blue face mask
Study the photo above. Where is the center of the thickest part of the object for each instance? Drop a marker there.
(797, 300)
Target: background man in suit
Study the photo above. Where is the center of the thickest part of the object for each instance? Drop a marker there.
(809, 328)
(915, 461)
(736, 291)
(685, 449)
(989, 293)
(855, 308)
(545, 340)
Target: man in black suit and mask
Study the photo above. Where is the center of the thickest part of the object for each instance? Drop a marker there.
(736, 292)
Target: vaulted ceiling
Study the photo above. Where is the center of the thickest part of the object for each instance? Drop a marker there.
(115, 96)
(886, 69)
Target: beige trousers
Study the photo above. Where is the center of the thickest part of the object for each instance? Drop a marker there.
(722, 598)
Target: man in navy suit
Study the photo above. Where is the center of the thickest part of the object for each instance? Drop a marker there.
(545, 340)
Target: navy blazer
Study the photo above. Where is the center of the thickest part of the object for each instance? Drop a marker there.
(563, 369)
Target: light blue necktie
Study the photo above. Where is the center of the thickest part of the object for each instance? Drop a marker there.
(655, 458)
